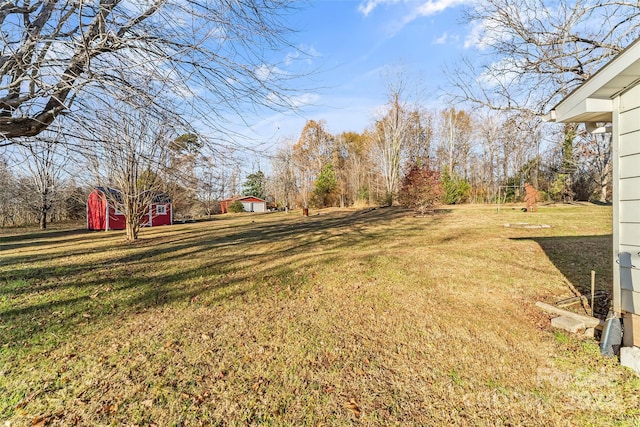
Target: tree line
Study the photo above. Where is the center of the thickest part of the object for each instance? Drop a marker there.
(475, 157)
(121, 95)
(480, 158)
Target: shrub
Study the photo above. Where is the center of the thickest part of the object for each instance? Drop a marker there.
(421, 189)
(236, 207)
(456, 189)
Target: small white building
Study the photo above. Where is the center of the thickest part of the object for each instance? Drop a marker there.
(249, 204)
(612, 97)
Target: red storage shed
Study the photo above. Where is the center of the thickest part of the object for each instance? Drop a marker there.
(103, 213)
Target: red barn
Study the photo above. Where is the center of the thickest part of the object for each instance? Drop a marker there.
(249, 204)
(103, 214)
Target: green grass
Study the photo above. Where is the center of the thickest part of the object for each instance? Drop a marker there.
(375, 317)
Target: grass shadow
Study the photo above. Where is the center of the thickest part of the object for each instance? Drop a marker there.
(575, 257)
(59, 287)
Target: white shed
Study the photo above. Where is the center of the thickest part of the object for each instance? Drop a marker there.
(612, 96)
(253, 204)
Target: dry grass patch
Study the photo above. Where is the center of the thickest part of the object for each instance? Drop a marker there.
(377, 317)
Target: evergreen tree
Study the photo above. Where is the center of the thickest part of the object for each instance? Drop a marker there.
(255, 185)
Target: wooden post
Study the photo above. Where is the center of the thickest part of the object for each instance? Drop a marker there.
(593, 288)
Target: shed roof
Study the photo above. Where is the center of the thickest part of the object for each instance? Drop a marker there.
(116, 195)
(241, 198)
(593, 100)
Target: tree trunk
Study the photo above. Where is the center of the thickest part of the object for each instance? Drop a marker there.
(131, 232)
(44, 207)
(603, 193)
(132, 229)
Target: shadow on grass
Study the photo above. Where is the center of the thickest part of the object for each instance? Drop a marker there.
(55, 292)
(41, 238)
(576, 256)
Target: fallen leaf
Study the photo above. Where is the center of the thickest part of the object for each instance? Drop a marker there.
(39, 421)
(353, 407)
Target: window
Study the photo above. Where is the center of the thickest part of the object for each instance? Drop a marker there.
(161, 209)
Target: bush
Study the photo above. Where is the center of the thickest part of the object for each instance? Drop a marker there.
(543, 196)
(421, 189)
(456, 189)
(236, 207)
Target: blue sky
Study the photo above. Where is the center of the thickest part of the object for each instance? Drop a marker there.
(353, 43)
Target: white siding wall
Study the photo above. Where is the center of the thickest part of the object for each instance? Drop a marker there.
(254, 206)
(627, 243)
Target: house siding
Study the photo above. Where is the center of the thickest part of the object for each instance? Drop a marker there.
(627, 181)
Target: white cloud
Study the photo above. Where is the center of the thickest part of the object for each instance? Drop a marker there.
(304, 99)
(306, 53)
(474, 38)
(431, 7)
(411, 9)
(265, 72)
(416, 9)
(500, 74)
(442, 39)
(367, 6)
(446, 38)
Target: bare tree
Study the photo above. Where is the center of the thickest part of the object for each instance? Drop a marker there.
(420, 138)
(312, 151)
(211, 184)
(129, 153)
(209, 192)
(212, 56)
(534, 53)
(455, 136)
(595, 150)
(389, 140)
(356, 165)
(282, 181)
(539, 50)
(489, 139)
(43, 160)
(8, 195)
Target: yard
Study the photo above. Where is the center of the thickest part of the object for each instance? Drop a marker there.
(346, 317)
